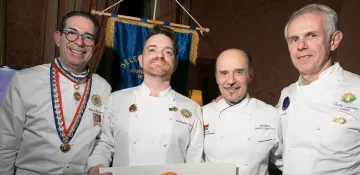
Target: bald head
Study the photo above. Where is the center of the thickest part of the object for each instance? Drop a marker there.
(234, 53)
(233, 74)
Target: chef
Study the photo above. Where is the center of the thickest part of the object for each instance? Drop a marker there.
(151, 124)
(320, 112)
(240, 129)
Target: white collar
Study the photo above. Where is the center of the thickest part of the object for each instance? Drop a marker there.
(242, 104)
(144, 90)
(334, 69)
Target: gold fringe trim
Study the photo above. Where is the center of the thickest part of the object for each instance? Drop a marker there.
(109, 35)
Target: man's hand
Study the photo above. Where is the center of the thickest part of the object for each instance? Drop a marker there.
(217, 99)
(95, 170)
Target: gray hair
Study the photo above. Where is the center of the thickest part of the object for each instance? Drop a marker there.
(330, 16)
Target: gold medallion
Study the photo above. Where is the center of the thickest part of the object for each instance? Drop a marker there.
(65, 147)
(186, 113)
(96, 100)
(133, 108)
(76, 86)
(77, 96)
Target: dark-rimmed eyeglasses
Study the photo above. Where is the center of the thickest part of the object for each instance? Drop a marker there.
(72, 35)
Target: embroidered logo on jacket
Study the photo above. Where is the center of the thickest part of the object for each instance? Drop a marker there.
(286, 103)
(346, 103)
(348, 98)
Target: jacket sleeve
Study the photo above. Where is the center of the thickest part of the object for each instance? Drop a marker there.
(12, 119)
(195, 149)
(104, 145)
(276, 153)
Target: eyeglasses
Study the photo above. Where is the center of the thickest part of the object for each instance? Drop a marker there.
(72, 35)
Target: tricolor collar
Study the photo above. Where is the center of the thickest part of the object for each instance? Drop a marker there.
(74, 78)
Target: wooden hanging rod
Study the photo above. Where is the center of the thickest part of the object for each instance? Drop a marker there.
(94, 12)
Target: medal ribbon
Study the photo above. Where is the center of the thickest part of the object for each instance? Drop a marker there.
(69, 75)
(66, 134)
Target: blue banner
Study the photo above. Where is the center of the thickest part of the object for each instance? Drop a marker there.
(128, 41)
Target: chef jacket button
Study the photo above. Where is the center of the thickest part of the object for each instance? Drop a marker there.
(317, 128)
(248, 138)
(67, 165)
(246, 164)
(134, 142)
(170, 119)
(288, 149)
(164, 145)
(221, 137)
(290, 125)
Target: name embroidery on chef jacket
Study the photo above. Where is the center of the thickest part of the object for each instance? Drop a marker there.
(264, 127)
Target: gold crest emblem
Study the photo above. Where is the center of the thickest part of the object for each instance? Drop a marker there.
(186, 113)
(340, 120)
(133, 108)
(96, 100)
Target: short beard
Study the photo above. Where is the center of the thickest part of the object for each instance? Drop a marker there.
(158, 71)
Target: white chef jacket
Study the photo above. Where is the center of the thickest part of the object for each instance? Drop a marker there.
(29, 142)
(321, 124)
(245, 134)
(152, 134)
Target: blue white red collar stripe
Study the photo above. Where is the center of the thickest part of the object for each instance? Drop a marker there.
(66, 134)
(70, 75)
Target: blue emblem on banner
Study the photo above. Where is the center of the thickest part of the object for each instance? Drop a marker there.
(286, 103)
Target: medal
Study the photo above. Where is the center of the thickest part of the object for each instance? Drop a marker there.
(340, 120)
(96, 100)
(133, 108)
(76, 86)
(65, 147)
(186, 113)
(77, 96)
(66, 133)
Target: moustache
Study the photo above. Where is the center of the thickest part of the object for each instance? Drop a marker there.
(232, 87)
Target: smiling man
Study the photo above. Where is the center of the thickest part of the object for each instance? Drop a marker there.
(150, 124)
(320, 112)
(50, 114)
(238, 128)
